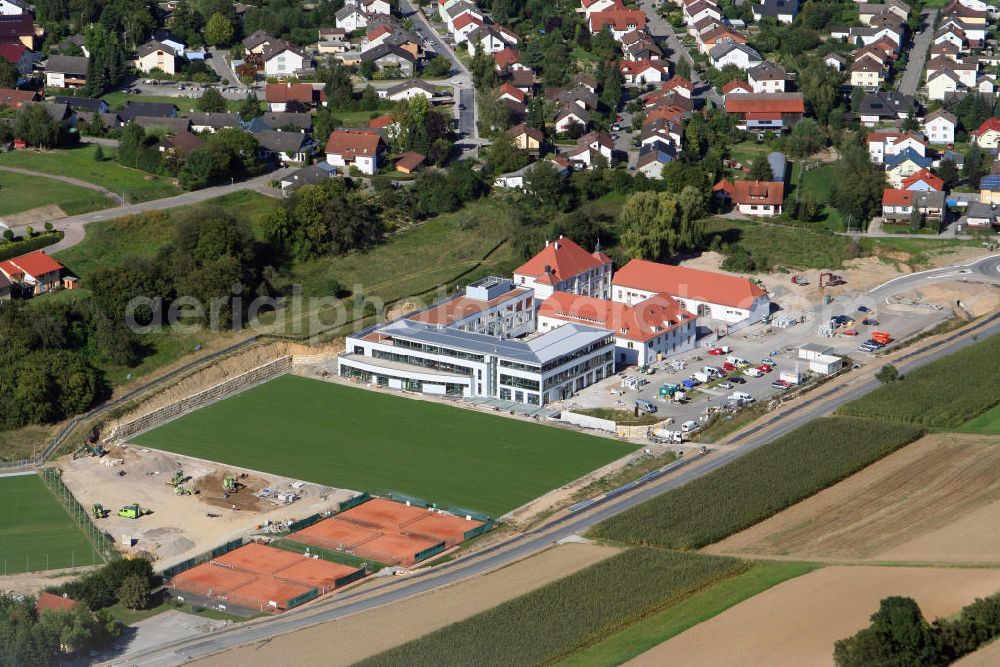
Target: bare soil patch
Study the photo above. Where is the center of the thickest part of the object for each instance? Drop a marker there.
(347, 640)
(935, 501)
(797, 622)
(35, 216)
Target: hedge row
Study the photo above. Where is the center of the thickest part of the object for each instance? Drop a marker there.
(559, 619)
(945, 393)
(759, 484)
(9, 249)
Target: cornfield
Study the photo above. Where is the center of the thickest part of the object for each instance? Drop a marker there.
(946, 393)
(759, 484)
(565, 616)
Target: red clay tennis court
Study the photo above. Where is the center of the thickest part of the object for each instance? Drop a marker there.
(261, 578)
(388, 532)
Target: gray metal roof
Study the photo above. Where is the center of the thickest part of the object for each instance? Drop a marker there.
(539, 350)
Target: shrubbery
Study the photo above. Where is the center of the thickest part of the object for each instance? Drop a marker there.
(758, 484)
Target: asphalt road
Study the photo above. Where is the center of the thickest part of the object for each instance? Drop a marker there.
(914, 72)
(821, 402)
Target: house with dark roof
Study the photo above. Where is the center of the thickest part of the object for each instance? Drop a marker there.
(170, 125)
(783, 11)
(881, 106)
(312, 175)
(66, 71)
(155, 55)
(181, 144)
(391, 57)
(280, 120)
(90, 104)
(409, 162)
(148, 109)
(410, 89)
(20, 56)
(212, 121)
(283, 59)
(18, 29)
(284, 147)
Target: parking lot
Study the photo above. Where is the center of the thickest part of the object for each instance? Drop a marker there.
(754, 344)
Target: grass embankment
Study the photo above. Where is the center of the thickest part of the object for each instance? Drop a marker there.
(943, 394)
(622, 417)
(703, 605)
(79, 163)
(791, 246)
(567, 615)
(19, 193)
(378, 442)
(758, 484)
(37, 533)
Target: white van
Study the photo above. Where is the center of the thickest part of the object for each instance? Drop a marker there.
(645, 406)
(689, 426)
(742, 397)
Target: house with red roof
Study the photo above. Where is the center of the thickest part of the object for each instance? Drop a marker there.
(642, 72)
(357, 148)
(508, 59)
(756, 198)
(644, 333)
(618, 20)
(18, 55)
(15, 99)
(736, 87)
(899, 205)
(588, 7)
(679, 85)
(717, 296)
(987, 135)
(564, 266)
(465, 25)
(292, 96)
(51, 602)
(923, 180)
(509, 92)
(35, 273)
(766, 111)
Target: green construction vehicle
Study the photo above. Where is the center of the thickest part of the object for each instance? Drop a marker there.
(182, 490)
(177, 479)
(133, 511)
(89, 450)
(228, 484)
(98, 511)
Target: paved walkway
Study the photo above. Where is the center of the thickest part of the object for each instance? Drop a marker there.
(911, 78)
(67, 179)
(73, 226)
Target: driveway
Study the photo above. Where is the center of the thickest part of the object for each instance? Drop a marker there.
(218, 59)
(910, 81)
(659, 27)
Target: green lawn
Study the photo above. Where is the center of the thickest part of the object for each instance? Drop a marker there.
(774, 245)
(21, 193)
(368, 441)
(987, 423)
(700, 607)
(79, 163)
(38, 533)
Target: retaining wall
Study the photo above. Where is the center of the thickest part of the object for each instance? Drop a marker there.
(257, 375)
(587, 421)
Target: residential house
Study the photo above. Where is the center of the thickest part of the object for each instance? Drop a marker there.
(162, 123)
(357, 148)
(618, 20)
(904, 163)
(280, 120)
(34, 273)
(588, 7)
(939, 126)
(766, 78)
(645, 72)
(15, 99)
(943, 83)
(987, 135)
(923, 180)
(284, 147)
(391, 57)
(866, 73)
(409, 162)
(526, 138)
(784, 11)
(258, 41)
(700, 10)
(756, 198)
(881, 106)
(408, 90)
(5, 291)
(311, 175)
(180, 144)
(89, 104)
(351, 18)
(515, 179)
(835, 61)
(508, 58)
(570, 117)
(899, 205)
(981, 215)
(18, 29)
(509, 92)
(867, 11)
(154, 55)
(989, 189)
(772, 111)
(736, 87)
(717, 36)
(465, 25)
(891, 142)
(490, 39)
(149, 109)
(282, 59)
(66, 71)
(292, 96)
(965, 70)
(653, 157)
(732, 53)
(661, 130)
(951, 34)
(212, 121)
(14, 7)
(20, 56)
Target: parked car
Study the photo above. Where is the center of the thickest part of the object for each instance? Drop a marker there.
(645, 406)
(764, 368)
(781, 384)
(728, 366)
(767, 360)
(689, 426)
(737, 380)
(864, 309)
(716, 351)
(851, 332)
(724, 385)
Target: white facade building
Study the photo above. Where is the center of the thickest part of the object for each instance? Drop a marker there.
(564, 266)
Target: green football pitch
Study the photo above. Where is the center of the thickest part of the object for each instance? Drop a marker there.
(369, 441)
(38, 533)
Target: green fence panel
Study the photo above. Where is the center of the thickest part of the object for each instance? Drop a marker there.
(304, 523)
(349, 578)
(354, 502)
(430, 551)
(301, 599)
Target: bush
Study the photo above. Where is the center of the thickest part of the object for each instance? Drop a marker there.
(13, 248)
(945, 394)
(559, 619)
(103, 587)
(759, 484)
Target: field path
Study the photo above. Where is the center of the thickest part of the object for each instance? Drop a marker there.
(69, 180)
(348, 640)
(798, 621)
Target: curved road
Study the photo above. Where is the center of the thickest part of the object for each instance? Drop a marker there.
(818, 403)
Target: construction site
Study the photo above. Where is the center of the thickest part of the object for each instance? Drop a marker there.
(136, 495)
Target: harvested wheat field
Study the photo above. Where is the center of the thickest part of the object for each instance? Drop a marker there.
(348, 640)
(935, 501)
(988, 656)
(797, 622)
